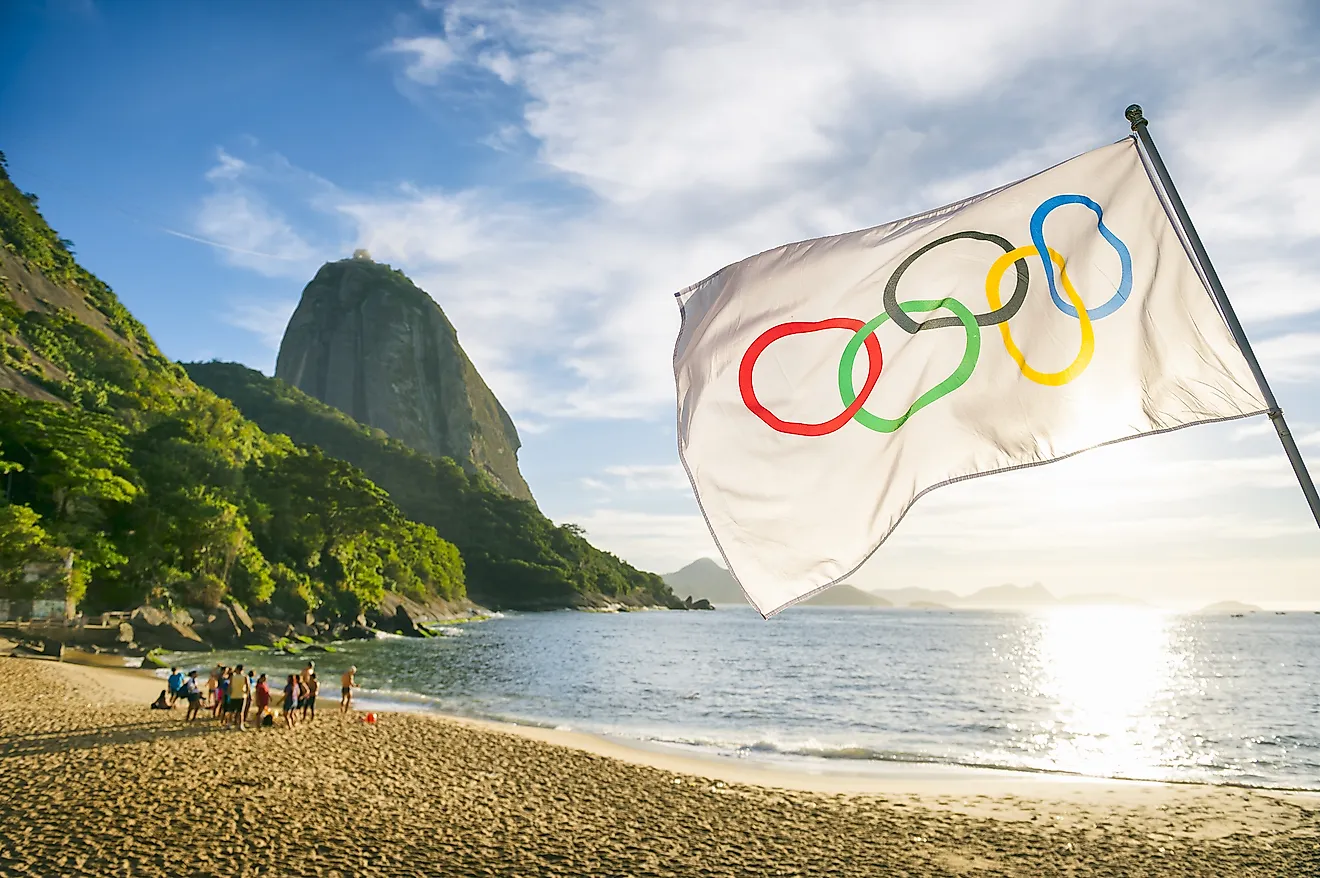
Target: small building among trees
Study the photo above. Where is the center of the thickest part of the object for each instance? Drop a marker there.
(45, 591)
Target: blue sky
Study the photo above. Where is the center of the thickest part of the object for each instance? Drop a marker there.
(552, 173)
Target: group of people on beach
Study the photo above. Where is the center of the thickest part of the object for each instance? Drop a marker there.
(235, 695)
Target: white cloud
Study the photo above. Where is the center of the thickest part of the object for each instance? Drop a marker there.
(651, 541)
(227, 167)
(266, 320)
(532, 427)
(255, 235)
(1291, 357)
(650, 477)
(500, 64)
(1251, 429)
(424, 226)
(1257, 179)
(1272, 290)
(428, 56)
(1251, 187)
(1124, 496)
(638, 479)
(635, 100)
(504, 138)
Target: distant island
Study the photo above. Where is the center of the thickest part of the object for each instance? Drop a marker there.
(1222, 607)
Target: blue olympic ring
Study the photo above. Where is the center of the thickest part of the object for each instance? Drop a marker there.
(1124, 257)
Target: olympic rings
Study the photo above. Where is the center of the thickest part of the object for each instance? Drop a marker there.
(1000, 314)
(783, 330)
(1078, 365)
(957, 379)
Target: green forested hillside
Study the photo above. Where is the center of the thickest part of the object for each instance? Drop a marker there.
(161, 490)
(165, 492)
(515, 556)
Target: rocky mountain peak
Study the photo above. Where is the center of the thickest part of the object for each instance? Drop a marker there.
(368, 341)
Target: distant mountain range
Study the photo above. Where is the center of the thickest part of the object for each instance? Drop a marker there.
(705, 578)
(997, 596)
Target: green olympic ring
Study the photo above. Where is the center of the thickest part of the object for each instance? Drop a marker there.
(971, 354)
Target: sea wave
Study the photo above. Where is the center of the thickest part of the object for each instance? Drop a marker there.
(786, 754)
(783, 752)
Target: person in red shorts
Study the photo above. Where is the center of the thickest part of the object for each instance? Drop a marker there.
(261, 698)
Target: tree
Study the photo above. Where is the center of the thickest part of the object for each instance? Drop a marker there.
(74, 473)
(22, 541)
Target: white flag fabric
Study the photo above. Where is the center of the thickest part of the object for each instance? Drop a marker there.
(826, 385)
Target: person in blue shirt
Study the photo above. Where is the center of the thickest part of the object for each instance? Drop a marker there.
(175, 685)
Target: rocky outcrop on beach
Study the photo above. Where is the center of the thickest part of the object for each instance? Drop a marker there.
(158, 629)
(150, 629)
(369, 342)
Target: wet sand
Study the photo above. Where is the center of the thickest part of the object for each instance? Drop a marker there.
(94, 783)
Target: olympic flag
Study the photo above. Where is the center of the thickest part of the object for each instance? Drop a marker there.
(825, 386)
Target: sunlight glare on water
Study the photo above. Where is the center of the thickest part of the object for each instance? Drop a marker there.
(1108, 673)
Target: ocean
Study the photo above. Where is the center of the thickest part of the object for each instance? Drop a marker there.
(1096, 691)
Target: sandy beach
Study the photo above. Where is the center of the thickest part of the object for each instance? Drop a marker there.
(94, 783)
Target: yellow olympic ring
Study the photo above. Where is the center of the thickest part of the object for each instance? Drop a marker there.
(1083, 359)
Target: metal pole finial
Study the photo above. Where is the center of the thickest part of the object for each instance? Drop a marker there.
(1135, 116)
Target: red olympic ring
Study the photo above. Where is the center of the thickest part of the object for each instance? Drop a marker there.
(783, 330)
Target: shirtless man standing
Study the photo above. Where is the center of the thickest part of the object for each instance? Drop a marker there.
(347, 685)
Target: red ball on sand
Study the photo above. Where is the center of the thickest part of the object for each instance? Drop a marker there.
(369, 718)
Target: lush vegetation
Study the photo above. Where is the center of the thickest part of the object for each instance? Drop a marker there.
(161, 490)
(515, 556)
(27, 234)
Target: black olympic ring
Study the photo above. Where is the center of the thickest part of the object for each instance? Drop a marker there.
(990, 318)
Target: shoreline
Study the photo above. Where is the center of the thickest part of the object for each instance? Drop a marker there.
(829, 776)
(95, 783)
(826, 777)
(798, 771)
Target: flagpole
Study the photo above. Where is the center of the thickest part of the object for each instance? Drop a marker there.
(1140, 127)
